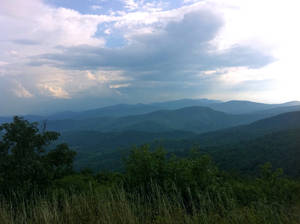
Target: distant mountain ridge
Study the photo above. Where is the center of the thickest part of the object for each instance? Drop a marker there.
(241, 107)
(121, 110)
(195, 119)
(282, 122)
(279, 110)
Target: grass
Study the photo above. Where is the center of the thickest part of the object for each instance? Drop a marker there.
(106, 206)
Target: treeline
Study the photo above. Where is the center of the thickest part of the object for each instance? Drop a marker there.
(38, 185)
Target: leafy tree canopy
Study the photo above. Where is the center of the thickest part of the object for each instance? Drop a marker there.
(27, 162)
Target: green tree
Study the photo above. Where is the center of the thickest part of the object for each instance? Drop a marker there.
(26, 161)
(144, 166)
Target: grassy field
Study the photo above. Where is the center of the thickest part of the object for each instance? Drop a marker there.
(117, 206)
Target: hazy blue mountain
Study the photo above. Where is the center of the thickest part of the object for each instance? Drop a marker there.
(279, 110)
(195, 119)
(282, 122)
(118, 110)
(241, 107)
(31, 118)
(291, 103)
(177, 104)
(63, 115)
(121, 110)
(90, 124)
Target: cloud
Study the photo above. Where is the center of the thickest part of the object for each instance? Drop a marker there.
(145, 51)
(20, 91)
(175, 60)
(178, 50)
(117, 86)
(54, 90)
(131, 4)
(35, 22)
(96, 7)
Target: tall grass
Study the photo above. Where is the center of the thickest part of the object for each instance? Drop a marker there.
(120, 207)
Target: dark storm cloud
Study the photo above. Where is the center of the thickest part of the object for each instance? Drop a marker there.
(179, 51)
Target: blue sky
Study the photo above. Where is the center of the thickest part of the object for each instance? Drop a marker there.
(106, 6)
(72, 54)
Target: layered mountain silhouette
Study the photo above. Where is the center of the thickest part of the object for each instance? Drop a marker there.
(196, 119)
(238, 134)
(120, 110)
(242, 147)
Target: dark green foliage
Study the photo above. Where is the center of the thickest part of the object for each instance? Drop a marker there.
(75, 183)
(96, 149)
(61, 160)
(25, 162)
(143, 167)
(197, 173)
(110, 179)
(154, 187)
(282, 149)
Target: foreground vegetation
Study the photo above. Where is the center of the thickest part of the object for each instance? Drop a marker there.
(38, 186)
(119, 206)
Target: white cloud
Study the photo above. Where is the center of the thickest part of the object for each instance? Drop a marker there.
(38, 22)
(117, 86)
(96, 7)
(131, 4)
(20, 91)
(90, 76)
(54, 91)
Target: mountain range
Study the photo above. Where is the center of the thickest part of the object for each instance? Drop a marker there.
(120, 110)
(196, 119)
(237, 134)
(242, 148)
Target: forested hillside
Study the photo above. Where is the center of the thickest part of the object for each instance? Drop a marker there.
(225, 146)
(282, 149)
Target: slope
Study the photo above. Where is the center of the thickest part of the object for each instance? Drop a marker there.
(276, 139)
(195, 119)
(241, 107)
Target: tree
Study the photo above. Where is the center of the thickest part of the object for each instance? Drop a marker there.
(144, 167)
(26, 161)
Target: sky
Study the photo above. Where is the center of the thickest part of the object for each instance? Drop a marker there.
(58, 55)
